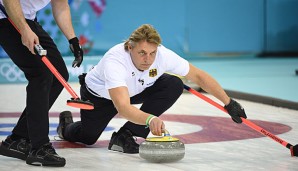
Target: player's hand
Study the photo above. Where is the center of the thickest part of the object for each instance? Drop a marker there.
(29, 39)
(77, 51)
(236, 111)
(157, 126)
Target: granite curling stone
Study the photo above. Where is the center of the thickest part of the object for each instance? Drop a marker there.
(162, 149)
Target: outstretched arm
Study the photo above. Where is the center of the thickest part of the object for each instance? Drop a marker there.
(207, 83)
(210, 85)
(121, 101)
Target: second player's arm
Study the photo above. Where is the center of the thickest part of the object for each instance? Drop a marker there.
(61, 13)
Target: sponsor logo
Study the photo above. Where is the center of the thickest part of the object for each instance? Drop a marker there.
(141, 81)
(150, 84)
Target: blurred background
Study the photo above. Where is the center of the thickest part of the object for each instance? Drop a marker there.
(212, 33)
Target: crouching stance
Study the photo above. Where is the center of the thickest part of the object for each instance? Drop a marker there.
(135, 72)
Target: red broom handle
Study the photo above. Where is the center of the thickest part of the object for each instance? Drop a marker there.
(59, 77)
(245, 121)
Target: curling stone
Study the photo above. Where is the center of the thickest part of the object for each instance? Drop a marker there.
(162, 149)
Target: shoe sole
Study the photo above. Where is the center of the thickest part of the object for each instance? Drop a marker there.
(120, 149)
(116, 148)
(41, 162)
(61, 116)
(12, 153)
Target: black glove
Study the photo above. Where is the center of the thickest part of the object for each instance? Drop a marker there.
(76, 49)
(82, 78)
(236, 111)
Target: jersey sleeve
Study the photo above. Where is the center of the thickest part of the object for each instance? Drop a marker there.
(174, 63)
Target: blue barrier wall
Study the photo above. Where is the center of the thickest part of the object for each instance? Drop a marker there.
(192, 28)
(225, 26)
(11, 74)
(281, 25)
(187, 26)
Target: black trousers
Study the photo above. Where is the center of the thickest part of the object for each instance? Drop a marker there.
(155, 100)
(42, 89)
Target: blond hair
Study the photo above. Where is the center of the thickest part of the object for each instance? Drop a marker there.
(145, 32)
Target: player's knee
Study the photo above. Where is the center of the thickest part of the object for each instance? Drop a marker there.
(176, 85)
(89, 139)
(40, 77)
(90, 142)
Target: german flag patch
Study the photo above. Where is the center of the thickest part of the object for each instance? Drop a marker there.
(152, 72)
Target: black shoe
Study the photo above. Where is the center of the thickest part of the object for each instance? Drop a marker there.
(123, 141)
(45, 156)
(65, 118)
(16, 149)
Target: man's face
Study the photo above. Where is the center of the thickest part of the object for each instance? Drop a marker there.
(143, 54)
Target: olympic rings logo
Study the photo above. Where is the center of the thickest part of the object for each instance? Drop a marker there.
(11, 72)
